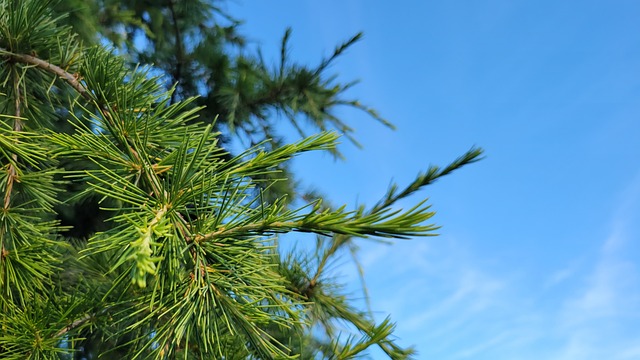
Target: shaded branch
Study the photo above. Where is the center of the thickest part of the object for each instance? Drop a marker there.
(74, 325)
(81, 321)
(177, 74)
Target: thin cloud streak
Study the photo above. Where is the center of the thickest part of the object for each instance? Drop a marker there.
(455, 308)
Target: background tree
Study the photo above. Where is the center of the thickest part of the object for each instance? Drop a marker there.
(198, 48)
(129, 230)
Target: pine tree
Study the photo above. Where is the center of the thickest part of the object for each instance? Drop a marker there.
(128, 230)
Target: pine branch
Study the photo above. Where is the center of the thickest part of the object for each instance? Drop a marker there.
(186, 225)
(71, 79)
(433, 173)
(337, 52)
(382, 223)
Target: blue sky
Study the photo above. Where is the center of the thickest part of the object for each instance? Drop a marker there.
(539, 252)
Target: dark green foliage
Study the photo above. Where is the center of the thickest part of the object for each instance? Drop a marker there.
(128, 230)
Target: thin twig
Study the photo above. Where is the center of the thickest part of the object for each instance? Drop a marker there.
(81, 321)
(177, 75)
(17, 126)
(74, 325)
(71, 79)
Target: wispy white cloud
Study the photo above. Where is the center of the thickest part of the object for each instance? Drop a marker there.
(564, 274)
(471, 293)
(453, 306)
(602, 319)
(446, 298)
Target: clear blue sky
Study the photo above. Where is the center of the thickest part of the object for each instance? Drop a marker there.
(539, 253)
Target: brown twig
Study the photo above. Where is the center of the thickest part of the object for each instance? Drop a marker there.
(17, 126)
(74, 325)
(71, 79)
(81, 321)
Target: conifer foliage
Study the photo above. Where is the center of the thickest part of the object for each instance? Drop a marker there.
(184, 260)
